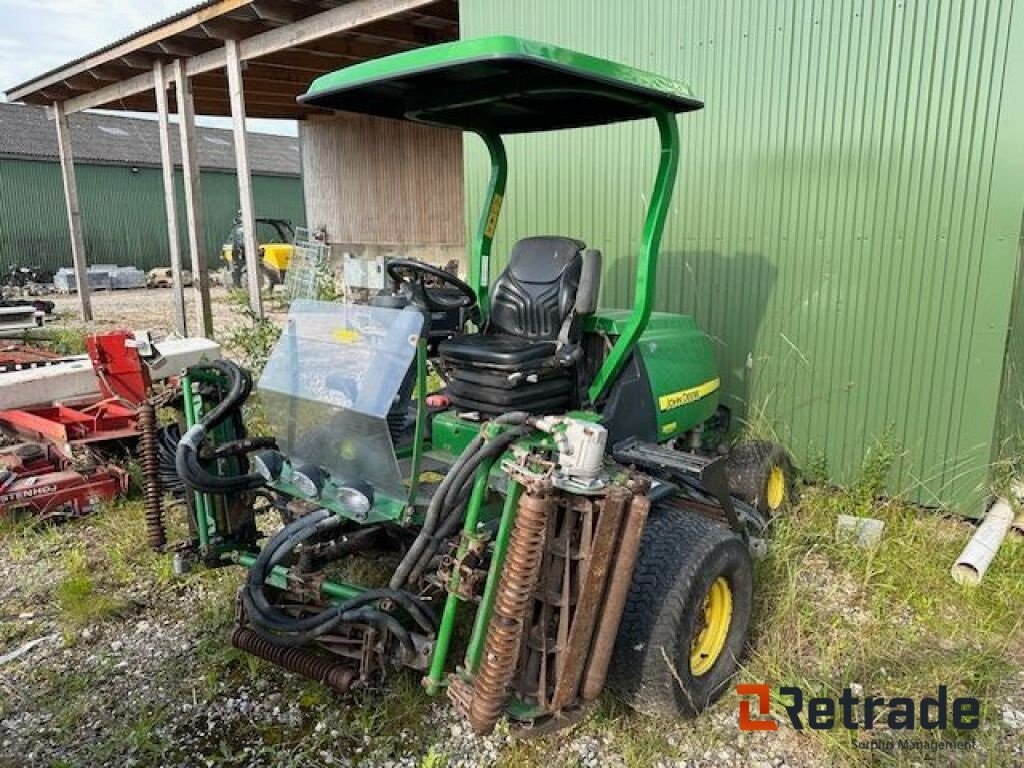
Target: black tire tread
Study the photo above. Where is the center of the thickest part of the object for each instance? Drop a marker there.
(748, 464)
(676, 545)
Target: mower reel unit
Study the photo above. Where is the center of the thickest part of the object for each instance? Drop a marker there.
(565, 498)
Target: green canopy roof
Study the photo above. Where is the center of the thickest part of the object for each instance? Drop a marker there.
(499, 84)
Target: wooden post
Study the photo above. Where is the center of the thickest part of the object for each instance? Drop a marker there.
(67, 167)
(170, 207)
(193, 199)
(252, 252)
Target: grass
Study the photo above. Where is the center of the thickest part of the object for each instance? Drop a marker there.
(78, 600)
(828, 614)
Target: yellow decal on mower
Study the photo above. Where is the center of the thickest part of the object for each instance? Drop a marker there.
(492, 216)
(687, 396)
(346, 335)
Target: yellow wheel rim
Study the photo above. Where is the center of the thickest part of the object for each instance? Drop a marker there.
(776, 492)
(712, 628)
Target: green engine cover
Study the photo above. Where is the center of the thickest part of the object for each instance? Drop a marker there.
(676, 359)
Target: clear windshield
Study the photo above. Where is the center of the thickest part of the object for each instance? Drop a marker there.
(330, 382)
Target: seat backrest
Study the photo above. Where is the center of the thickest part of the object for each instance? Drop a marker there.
(536, 292)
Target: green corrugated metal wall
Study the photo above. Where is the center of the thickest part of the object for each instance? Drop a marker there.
(846, 221)
(1010, 429)
(122, 212)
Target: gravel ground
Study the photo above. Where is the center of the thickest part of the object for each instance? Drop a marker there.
(153, 310)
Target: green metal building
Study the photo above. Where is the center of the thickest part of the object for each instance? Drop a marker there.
(847, 224)
(120, 189)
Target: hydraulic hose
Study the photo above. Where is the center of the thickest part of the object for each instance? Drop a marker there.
(283, 629)
(454, 505)
(186, 459)
(436, 508)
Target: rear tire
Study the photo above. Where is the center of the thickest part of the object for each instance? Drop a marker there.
(685, 563)
(761, 473)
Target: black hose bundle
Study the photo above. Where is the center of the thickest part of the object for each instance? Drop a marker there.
(446, 507)
(167, 473)
(282, 629)
(187, 454)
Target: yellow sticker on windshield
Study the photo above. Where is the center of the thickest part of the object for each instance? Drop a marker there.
(687, 396)
(346, 335)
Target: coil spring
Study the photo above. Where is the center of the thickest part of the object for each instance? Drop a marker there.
(339, 677)
(149, 458)
(505, 631)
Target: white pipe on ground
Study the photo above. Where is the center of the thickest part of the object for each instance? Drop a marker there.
(970, 567)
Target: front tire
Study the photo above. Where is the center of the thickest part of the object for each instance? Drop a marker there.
(686, 620)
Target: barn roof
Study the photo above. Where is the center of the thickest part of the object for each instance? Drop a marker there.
(26, 132)
(285, 44)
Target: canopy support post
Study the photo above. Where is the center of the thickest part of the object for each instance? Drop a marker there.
(480, 257)
(170, 206)
(193, 199)
(67, 167)
(647, 259)
(252, 252)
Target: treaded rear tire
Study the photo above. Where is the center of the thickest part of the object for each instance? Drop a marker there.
(749, 465)
(681, 556)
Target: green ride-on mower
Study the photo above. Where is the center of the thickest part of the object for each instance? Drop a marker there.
(557, 512)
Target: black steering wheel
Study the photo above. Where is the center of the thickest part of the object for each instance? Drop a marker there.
(413, 273)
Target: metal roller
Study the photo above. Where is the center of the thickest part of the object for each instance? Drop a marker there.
(514, 595)
(149, 460)
(339, 677)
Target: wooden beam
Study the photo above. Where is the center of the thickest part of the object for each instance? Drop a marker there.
(80, 83)
(112, 72)
(258, 94)
(142, 59)
(346, 46)
(67, 167)
(184, 46)
(402, 32)
(252, 248)
(193, 199)
(313, 63)
(317, 27)
(179, 25)
(170, 206)
(258, 72)
(233, 29)
(280, 11)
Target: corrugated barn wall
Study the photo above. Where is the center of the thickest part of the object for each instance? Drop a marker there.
(122, 212)
(846, 222)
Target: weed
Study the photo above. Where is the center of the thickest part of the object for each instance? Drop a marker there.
(876, 466)
(326, 283)
(253, 342)
(65, 339)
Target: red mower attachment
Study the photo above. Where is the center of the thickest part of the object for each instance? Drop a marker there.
(40, 480)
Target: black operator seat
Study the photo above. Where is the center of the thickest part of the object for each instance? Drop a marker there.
(529, 303)
(517, 360)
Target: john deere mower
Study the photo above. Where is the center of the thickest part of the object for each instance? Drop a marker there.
(559, 514)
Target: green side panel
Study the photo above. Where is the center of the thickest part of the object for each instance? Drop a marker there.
(680, 364)
(846, 218)
(450, 434)
(122, 212)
